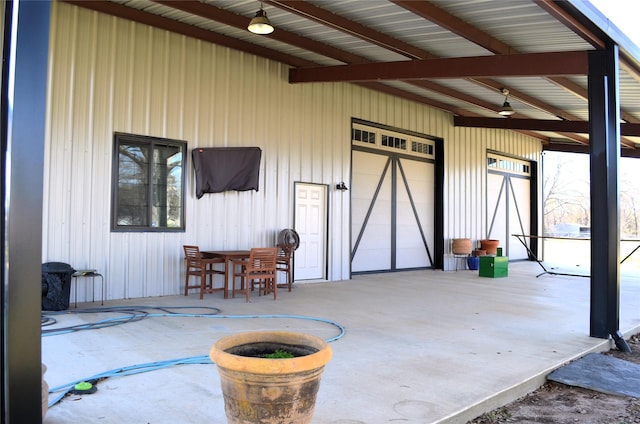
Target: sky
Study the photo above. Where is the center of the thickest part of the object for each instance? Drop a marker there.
(623, 14)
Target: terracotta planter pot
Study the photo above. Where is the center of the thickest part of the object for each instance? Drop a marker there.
(479, 252)
(490, 245)
(270, 391)
(461, 246)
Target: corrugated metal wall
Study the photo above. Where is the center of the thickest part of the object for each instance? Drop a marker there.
(107, 74)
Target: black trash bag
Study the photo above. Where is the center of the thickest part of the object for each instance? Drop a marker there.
(56, 286)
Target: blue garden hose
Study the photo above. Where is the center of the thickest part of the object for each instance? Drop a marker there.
(136, 313)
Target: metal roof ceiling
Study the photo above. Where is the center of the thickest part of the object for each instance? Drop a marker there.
(316, 35)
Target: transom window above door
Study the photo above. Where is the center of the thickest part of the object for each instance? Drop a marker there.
(507, 164)
(385, 139)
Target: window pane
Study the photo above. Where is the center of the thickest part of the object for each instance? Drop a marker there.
(167, 186)
(133, 169)
(148, 184)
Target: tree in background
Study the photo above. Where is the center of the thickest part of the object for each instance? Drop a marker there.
(629, 208)
(566, 192)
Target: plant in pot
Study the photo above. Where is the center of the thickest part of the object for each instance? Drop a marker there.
(270, 377)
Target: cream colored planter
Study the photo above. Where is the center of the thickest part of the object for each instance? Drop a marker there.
(270, 391)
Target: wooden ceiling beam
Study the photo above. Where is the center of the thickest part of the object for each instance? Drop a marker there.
(463, 29)
(631, 130)
(520, 124)
(322, 16)
(456, 25)
(519, 65)
(570, 148)
(442, 18)
(568, 129)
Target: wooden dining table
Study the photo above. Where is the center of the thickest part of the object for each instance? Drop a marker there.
(229, 256)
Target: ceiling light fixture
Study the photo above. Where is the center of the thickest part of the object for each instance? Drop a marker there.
(506, 109)
(260, 23)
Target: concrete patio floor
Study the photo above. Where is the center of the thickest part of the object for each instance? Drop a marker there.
(419, 347)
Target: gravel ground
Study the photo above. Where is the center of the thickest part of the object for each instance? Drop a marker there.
(559, 403)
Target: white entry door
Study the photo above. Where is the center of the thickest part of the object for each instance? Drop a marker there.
(310, 259)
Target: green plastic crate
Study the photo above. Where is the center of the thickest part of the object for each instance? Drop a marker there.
(494, 266)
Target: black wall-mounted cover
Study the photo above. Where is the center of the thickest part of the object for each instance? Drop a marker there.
(221, 169)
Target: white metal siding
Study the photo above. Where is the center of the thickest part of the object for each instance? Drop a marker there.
(109, 74)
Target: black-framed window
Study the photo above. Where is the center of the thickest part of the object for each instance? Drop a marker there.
(148, 184)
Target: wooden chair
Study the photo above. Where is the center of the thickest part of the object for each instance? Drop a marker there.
(283, 261)
(199, 266)
(259, 270)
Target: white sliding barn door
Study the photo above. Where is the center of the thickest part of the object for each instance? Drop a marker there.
(509, 204)
(415, 217)
(392, 204)
(370, 212)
